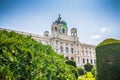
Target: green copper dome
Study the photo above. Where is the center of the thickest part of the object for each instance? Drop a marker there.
(62, 22)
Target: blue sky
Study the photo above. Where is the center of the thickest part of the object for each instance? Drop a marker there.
(95, 20)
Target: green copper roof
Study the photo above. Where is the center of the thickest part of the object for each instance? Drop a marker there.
(63, 22)
(64, 25)
(60, 21)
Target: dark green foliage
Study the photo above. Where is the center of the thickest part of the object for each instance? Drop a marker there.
(108, 60)
(108, 41)
(80, 71)
(71, 62)
(93, 71)
(88, 67)
(73, 68)
(22, 58)
(74, 71)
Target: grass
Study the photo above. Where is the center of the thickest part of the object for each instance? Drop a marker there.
(87, 76)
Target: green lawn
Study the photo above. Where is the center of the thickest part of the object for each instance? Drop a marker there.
(87, 76)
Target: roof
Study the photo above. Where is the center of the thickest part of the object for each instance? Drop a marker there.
(60, 21)
(73, 29)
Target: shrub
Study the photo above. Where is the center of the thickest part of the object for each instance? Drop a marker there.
(71, 62)
(23, 58)
(93, 71)
(88, 67)
(73, 68)
(89, 75)
(108, 60)
(74, 71)
(80, 71)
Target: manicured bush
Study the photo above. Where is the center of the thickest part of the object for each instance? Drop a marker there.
(89, 75)
(108, 60)
(74, 71)
(23, 58)
(80, 71)
(93, 71)
(88, 67)
(71, 62)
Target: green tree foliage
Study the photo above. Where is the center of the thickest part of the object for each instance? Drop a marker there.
(93, 71)
(23, 58)
(88, 67)
(71, 62)
(80, 71)
(73, 67)
(74, 71)
(108, 60)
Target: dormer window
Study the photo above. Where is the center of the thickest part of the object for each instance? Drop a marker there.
(63, 30)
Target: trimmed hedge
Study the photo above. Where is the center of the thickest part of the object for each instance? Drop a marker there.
(71, 62)
(108, 60)
(80, 71)
(93, 71)
(74, 71)
(88, 67)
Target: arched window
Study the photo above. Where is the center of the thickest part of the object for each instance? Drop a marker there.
(91, 61)
(87, 60)
(71, 50)
(55, 28)
(63, 30)
(72, 58)
(67, 58)
(83, 60)
(66, 49)
(46, 35)
(61, 49)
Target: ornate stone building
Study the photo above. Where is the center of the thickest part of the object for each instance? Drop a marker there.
(64, 44)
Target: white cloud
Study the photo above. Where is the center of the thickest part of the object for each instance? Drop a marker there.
(103, 29)
(100, 34)
(96, 36)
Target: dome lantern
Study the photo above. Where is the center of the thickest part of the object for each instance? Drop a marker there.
(73, 32)
(46, 33)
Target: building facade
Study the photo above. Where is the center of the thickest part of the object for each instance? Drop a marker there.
(67, 45)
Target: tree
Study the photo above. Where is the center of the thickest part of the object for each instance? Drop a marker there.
(108, 60)
(93, 71)
(74, 71)
(23, 58)
(88, 67)
(71, 62)
(80, 71)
